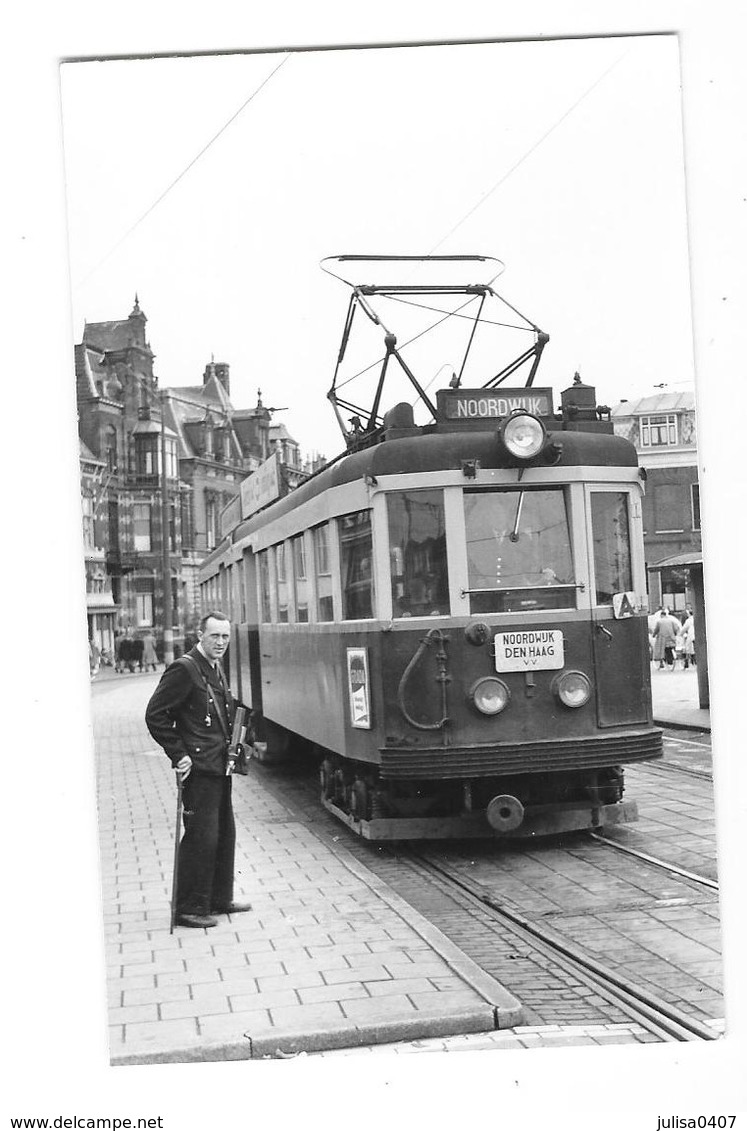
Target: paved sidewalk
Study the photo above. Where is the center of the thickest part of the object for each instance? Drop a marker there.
(329, 957)
(676, 701)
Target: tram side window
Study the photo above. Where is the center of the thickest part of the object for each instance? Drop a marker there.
(519, 550)
(263, 566)
(300, 578)
(611, 536)
(323, 567)
(417, 551)
(281, 576)
(356, 554)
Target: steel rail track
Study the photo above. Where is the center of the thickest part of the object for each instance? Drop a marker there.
(673, 768)
(658, 1016)
(704, 880)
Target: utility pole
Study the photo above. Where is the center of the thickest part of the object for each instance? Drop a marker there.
(168, 620)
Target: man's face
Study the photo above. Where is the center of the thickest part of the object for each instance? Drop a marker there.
(215, 637)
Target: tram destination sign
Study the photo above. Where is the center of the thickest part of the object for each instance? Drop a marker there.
(261, 487)
(529, 650)
(492, 404)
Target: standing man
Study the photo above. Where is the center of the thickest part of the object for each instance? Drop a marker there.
(190, 715)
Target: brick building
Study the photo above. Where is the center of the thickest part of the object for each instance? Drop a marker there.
(663, 429)
(100, 607)
(210, 447)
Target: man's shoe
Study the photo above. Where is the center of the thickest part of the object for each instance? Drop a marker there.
(232, 908)
(196, 921)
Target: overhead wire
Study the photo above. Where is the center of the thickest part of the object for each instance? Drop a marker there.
(185, 170)
(530, 151)
(486, 195)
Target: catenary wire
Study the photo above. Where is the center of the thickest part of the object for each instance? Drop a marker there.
(184, 171)
(528, 153)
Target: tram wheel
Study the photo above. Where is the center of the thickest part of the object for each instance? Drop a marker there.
(360, 800)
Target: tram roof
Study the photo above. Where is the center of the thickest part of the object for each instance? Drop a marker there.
(441, 451)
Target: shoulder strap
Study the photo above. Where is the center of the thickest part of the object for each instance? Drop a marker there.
(198, 679)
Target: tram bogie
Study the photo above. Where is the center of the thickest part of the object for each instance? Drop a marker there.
(452, 619)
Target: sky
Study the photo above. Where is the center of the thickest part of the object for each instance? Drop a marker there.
(213, 187)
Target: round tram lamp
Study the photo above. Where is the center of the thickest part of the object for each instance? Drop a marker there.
(523, 435)
(573, 689)
(489, 695)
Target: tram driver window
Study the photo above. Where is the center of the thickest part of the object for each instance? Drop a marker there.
(519, 550)
(611, 535)
(417, 552)
(356, 556)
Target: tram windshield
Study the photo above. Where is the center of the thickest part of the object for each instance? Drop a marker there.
(518, 550)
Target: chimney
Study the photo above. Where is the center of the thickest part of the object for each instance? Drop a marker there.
(221, 372)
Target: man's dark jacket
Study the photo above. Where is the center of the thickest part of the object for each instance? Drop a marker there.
(177, 712)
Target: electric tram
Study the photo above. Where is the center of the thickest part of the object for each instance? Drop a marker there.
(451, 616)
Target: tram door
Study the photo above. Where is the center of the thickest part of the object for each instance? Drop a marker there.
(619, 646)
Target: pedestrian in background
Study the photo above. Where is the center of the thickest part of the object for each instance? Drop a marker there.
(137, 653)
(150, 656)
(665, 633)
(652, 620)
(688, 640)
(190, 715)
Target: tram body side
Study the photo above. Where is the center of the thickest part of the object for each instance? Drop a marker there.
(389, 702)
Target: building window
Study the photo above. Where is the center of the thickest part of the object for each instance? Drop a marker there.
(695, 504)
(322, 565)
(87, 504)
(185, 507)
(146, 455)
(172, 464)
(356, 548)
(110, 448)
(142, 526)
(211, 521)
(669, 508)
(143, 601)
(113, 516)
(658, 431)
(417, 551)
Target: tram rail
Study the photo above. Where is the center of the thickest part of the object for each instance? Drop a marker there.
(659, 1017)
(667, 867)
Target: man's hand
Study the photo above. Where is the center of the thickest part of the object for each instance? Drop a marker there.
(184, 766)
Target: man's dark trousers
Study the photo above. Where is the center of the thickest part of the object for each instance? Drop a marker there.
(206, 854)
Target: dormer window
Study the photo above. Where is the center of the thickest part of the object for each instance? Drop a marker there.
(659, 431)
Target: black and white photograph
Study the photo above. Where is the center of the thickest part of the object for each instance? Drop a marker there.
(399, 616)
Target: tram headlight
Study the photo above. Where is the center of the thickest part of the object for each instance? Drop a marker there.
(573, 689)
(523, 435)
(489, 695)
